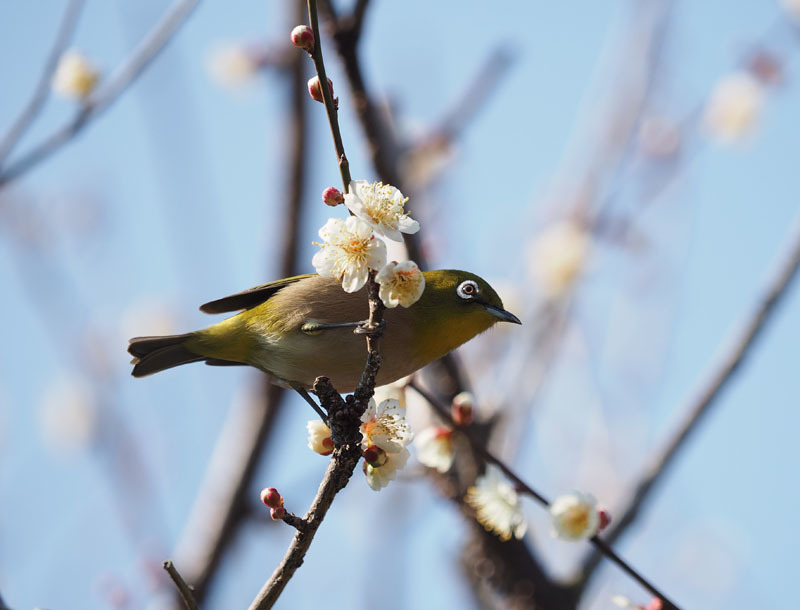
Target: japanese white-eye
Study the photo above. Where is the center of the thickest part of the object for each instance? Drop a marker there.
(299, 328)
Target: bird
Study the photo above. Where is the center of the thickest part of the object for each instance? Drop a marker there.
(298, 328)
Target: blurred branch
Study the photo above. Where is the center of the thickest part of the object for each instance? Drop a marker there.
(183, 589)
(40, 93)
(710, 387)
(108, 91)
(521, 486)
(3, 605)
(246, 434)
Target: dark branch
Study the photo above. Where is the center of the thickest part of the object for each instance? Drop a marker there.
(184, 590)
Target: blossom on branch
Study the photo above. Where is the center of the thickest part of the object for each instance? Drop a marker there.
(497, 505)
(315, 91)
(319, 437)
(302, 37)
(385, 435)
(400, 284)
(75, 77)
(574, 516)
(435, 448)
(381, 206)
(348, 252)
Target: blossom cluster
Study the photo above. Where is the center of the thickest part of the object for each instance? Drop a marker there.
(353, 248)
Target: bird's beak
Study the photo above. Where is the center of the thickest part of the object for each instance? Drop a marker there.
(502, 315)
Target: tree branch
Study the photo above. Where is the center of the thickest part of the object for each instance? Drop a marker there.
(710, 387)
(42, 90)
(521, 486)
(184, 590)
(108, 91)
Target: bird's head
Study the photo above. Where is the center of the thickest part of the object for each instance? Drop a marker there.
(456, 306)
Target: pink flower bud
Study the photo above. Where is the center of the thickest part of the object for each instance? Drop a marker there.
(315, 91)
(270, 497)
(332, 196)
(277, 513)
(375, 456)
(303, 38)
(605, 519)
(461, 409)
(654, 604)
(328, 444)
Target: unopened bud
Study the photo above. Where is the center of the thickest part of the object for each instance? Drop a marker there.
(605, 519)
(461, 408)
(375, 456)
(277, 513)
(332, 196)
(270, 497)
(303, 38)
(315, 91)
(654, 604)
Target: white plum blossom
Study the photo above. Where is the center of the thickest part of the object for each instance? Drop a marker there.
(348, 252)
(380, 205)
(435, 448)
(75, 77)
(497, 505)
(400, 284)
(574, 516)
(69, 414)
(386, 434)
(558, 256)
(734, 107)
(384, 425)
(319, 437)
(378, 477)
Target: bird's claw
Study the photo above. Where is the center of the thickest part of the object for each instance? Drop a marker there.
(370, 330)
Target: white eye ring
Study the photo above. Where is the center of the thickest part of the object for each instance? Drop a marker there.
(467, 289)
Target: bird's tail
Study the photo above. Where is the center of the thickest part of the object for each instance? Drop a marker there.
(154, 354)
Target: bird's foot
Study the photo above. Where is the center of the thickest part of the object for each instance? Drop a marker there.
(370, 330)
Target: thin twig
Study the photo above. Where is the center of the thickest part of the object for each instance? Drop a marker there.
(108, 91)
(731, 355)
(330, 104)
(42, 90)
(184, 590)
(523, 487)
(340, 468)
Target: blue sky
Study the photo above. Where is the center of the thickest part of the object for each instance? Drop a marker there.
(180, 183)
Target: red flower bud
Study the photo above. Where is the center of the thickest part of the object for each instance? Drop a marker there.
(315, 91)
(270, 497)
(654, 604)
(605, 519)
(461, 409)
(332, 196)
(277, 513)
(303, 38)
(375, 456)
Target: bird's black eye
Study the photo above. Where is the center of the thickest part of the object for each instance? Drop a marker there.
(467, 289)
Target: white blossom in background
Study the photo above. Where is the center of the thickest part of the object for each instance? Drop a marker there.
(68, 415)
(623, 602)
(400, 284)
(497, 505)
(558, 256)
(319, 437)
(378, 477)
(75, 77)
(574, 516)
(435, 449)
(381, 206)
(348, 252)
(792, 8)
(734, 107)
(231, 65)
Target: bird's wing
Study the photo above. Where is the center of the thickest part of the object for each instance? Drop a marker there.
(249, 298)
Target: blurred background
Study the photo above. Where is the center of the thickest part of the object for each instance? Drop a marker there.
(623, 172)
